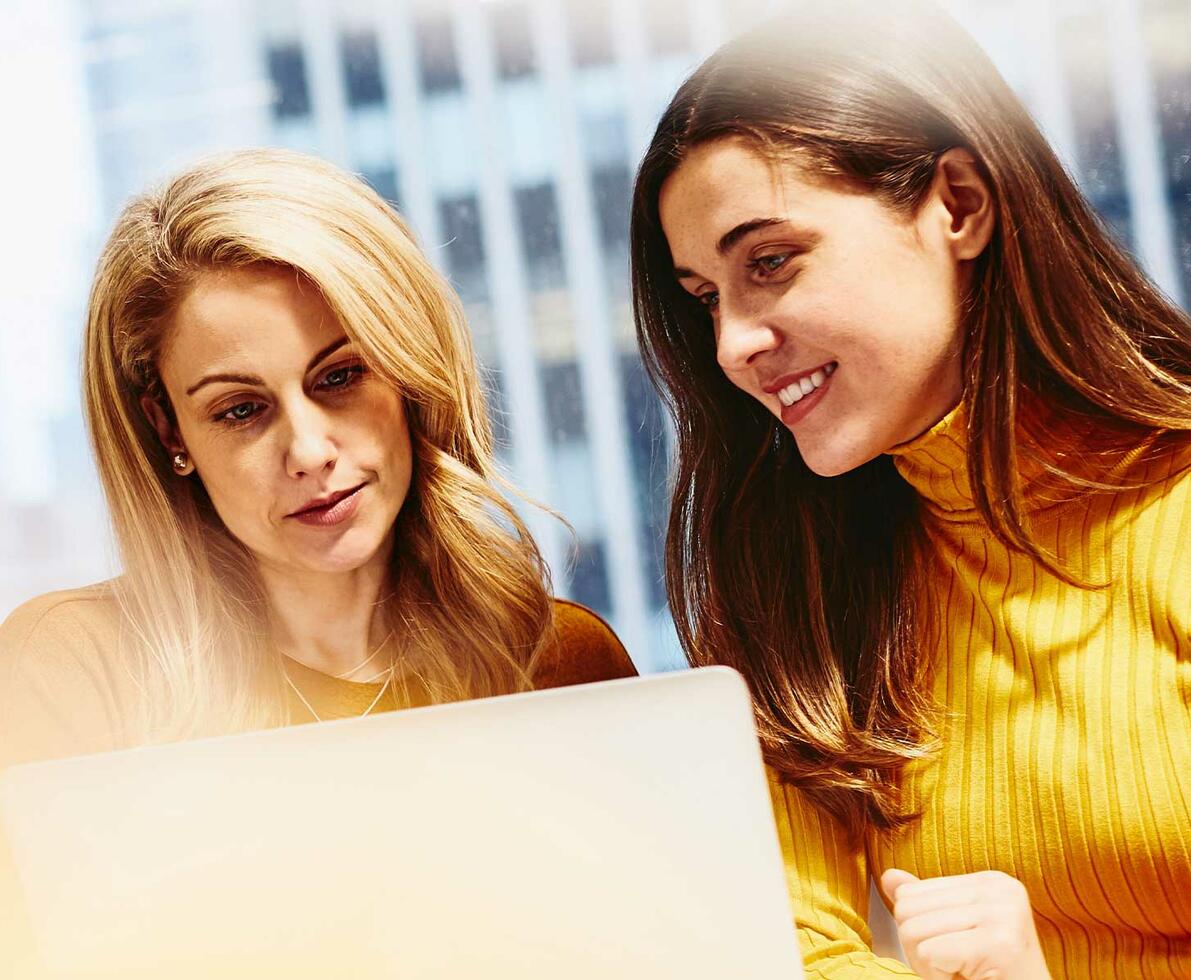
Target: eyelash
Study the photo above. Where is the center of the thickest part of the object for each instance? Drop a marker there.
(353, 371)
(760, 263)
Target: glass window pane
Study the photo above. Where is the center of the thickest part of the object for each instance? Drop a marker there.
(287, 69)
(438, 61)
(361, 69)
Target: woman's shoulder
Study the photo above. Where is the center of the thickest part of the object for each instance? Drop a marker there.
(59, 675)
(585, 649)
(60, 619)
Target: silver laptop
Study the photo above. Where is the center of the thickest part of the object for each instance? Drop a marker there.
(614, 830)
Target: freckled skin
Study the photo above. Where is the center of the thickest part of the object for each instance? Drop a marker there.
(877, 292)
(310, 433)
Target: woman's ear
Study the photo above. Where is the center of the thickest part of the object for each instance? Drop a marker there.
(159, 418)
(964, 192)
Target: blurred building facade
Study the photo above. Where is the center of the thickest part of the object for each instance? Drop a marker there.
(506, 132)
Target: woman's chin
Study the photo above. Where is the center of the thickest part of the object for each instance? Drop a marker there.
(348, 554)
(835, 458)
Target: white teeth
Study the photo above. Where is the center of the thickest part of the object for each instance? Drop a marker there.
(799, 389)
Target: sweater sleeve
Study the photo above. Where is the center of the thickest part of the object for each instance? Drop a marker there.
(828, 883)
(585, 650)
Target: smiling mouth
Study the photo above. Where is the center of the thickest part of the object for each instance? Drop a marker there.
(328, 503)
(807, 384)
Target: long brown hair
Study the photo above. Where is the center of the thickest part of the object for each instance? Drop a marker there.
(809, 586)
(468, 591)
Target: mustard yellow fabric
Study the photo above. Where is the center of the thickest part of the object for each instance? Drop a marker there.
(586, 650)
(1066, 739)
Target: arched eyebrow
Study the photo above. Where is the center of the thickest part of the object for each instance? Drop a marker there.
(806, 240)
(252, 379)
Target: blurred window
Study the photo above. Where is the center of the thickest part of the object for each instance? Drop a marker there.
(287, 69)
(589, 31)
(1168, 27)
(464, 244)
(645, 424)
(438, 60)
(537, 218)
(361, 69)
(512, 39)
(562, 389)
(589, 577)
(612, 188)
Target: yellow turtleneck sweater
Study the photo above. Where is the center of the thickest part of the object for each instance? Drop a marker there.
(1066, 740)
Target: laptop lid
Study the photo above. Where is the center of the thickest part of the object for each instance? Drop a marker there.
(613, 830)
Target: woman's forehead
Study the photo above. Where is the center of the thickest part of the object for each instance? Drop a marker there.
(723, 187)
(258, 315)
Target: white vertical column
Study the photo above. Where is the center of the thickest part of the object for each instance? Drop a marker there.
(231, 44)
(320, 41)
(399, 67)
(1052, 101)
(603, 399)
(628, 40)
(507, 286)
(48, 194)
(1141, 142)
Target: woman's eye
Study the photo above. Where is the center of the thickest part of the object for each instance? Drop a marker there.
(710, 299)
(239, 413)
(341, 377)
(769, 263)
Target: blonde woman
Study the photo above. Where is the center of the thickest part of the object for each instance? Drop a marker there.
(290, 431)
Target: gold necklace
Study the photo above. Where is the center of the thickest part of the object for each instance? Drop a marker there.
(317, 717)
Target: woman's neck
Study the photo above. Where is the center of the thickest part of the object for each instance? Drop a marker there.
(327, 621)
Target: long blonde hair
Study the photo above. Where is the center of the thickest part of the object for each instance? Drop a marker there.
(468, 588)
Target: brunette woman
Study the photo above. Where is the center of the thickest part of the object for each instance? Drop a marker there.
(933, 498)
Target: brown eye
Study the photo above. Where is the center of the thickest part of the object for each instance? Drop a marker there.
(341, 377)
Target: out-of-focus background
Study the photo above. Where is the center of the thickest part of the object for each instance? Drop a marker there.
(507, 132)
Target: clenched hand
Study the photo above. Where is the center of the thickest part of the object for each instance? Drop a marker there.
(975, 926)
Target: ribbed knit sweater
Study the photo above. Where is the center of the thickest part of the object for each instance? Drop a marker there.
(1065, 756)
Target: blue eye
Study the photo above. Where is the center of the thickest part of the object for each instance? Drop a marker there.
(710, 299)
(243, 412)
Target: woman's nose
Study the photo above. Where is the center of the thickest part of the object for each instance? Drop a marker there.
(742, 335)
(311, 448)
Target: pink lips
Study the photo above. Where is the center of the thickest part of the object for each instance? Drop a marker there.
(337, 509)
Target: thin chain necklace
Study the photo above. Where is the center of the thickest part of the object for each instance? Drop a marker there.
(317, 717)
(365, 662)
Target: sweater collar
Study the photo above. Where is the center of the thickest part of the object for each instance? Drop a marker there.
(936, 465)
